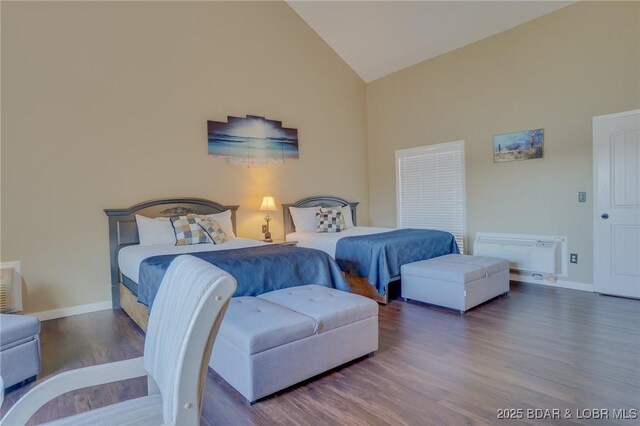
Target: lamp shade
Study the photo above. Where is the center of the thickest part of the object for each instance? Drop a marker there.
(268, 204)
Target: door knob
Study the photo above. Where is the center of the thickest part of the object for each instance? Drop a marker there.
(605, 215)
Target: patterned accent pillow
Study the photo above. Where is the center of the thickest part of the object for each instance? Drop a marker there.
(332, 210)
(213, 230)
(188, 231)
(328, 222)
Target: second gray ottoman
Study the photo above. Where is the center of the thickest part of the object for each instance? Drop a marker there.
(19, 348)
(455, 281)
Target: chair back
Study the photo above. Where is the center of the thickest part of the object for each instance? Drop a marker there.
(183, 323)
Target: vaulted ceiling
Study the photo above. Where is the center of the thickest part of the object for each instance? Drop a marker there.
(377, 38)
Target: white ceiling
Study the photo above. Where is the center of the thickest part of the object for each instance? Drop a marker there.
(377, 38)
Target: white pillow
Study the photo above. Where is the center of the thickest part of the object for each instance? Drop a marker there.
(155, 231)
(304, 218)
(224, 220)
(346, 214)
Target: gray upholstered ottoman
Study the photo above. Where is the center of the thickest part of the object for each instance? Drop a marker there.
(273, 341)
(19, 348)
(455, 281)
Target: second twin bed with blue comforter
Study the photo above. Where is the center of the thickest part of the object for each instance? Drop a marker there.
(379, 256)
(378, 253)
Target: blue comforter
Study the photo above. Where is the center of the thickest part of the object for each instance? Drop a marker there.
(380, 256)
(256, 269)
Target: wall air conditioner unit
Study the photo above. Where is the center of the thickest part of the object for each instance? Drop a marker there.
(537, 254)
(10, 287)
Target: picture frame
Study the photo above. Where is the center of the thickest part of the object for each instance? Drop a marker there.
(252, 141)
(517, 146)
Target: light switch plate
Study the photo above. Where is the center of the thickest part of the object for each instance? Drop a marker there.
(582, 197)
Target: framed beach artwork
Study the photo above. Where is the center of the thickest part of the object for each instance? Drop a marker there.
(525, 145)
(252, 141)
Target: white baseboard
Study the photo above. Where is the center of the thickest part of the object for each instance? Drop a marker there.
(72, 310)
(573, 285)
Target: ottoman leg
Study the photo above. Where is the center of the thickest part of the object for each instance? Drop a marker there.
(20, 384)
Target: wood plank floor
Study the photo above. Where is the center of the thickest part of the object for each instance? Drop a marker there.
(540, 347)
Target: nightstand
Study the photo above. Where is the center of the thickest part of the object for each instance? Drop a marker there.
(281, 242)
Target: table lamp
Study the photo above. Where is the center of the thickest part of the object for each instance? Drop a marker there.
(268, 205)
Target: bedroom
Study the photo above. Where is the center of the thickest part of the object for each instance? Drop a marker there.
(104, 105)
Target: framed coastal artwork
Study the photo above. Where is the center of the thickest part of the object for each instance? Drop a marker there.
(252, 141)
(525, 145)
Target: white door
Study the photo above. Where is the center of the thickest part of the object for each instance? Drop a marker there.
(616, 229)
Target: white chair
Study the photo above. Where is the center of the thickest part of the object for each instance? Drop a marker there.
(183, 324)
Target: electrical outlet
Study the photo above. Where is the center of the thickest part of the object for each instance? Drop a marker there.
(573, 258)
(264, 228)
(582, 197)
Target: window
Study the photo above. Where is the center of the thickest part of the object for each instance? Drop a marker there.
(430, 188)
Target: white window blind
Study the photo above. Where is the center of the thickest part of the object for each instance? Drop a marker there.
(430, 188)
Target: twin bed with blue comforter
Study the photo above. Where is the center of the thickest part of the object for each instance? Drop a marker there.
(137, 269)
(256, 269)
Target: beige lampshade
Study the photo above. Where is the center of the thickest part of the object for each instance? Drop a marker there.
(268, 204)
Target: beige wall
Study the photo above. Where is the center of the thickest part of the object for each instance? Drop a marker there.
(556, 72)
(105, 105)
(103, 102)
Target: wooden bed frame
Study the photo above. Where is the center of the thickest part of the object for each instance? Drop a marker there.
(359, 285)
(123, 231)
